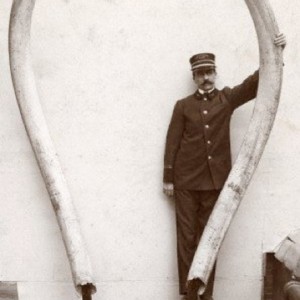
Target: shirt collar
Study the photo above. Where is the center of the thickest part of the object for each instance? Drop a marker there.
(205, 92)
(211, 94)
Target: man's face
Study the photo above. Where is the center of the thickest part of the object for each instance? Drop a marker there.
(205, 78)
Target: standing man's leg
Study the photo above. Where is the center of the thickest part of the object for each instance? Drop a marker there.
(208, 200)
(192, 212)
(187, 221)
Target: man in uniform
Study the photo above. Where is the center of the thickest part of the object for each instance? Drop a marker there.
(198, 158)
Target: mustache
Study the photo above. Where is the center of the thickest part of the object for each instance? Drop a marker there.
(207, 81)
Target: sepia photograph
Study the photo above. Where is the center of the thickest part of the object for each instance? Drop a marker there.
(149, 150)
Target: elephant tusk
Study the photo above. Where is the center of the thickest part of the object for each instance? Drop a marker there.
(36, 127)
(270, 78)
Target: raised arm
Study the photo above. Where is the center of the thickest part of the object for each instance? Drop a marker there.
(247, 90)
(243, 92)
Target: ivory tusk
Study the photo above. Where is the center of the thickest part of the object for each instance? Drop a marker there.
(253, 145)
(35, 124)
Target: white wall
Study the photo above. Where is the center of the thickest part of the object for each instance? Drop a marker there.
(108, 74)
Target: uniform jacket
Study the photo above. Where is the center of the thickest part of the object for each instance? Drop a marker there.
(197, 153)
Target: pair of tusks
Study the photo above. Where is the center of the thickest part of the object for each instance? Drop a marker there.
(238, 180)
(36, 127)
(270, 78)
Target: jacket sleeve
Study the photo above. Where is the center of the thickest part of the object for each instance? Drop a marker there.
(174, 135)
(243, 92)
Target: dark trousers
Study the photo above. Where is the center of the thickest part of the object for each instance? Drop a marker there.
(193, 209)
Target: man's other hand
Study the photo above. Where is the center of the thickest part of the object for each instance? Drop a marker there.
(168, 189)
(280, 40)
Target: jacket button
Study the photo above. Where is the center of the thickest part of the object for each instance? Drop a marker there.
(208, 142)
(205, 112)
(209, 157)
(205, 99)
(206, 126)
